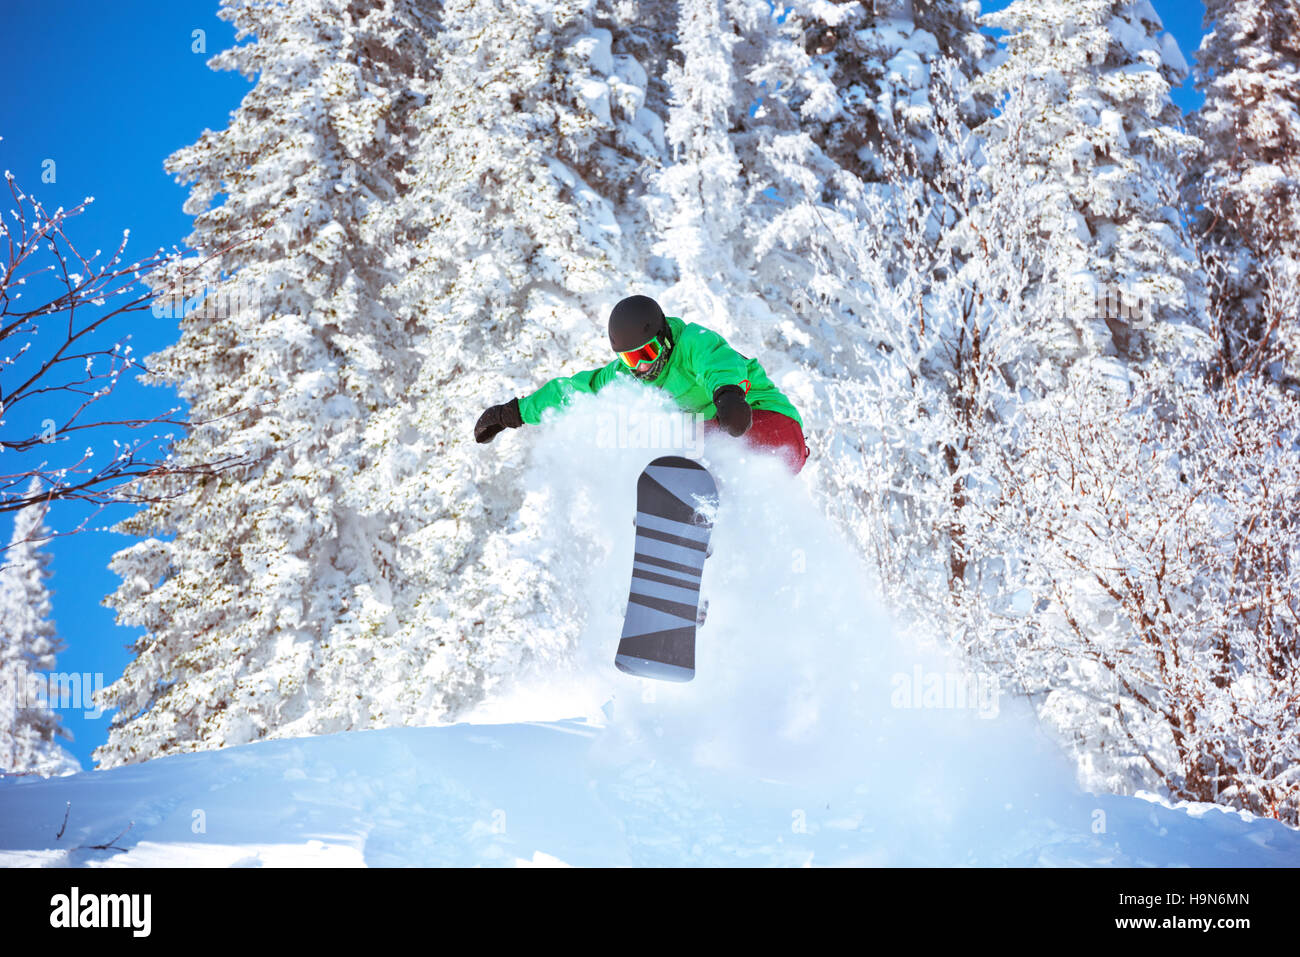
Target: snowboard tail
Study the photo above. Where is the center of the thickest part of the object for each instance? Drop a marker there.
(675, 497)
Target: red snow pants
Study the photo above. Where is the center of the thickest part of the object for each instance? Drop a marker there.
(776, 433)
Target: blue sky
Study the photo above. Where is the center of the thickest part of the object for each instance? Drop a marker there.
(108, 91)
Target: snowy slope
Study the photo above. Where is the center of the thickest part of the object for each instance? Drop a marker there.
(545, 794)
(810, 734)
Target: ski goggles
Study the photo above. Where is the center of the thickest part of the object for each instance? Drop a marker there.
(647, 353)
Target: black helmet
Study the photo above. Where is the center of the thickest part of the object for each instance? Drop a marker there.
(639, 333)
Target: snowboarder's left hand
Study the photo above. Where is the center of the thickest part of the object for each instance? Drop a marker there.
(734, 413)
(505, 416)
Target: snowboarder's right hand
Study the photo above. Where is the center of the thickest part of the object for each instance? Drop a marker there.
(505, 416)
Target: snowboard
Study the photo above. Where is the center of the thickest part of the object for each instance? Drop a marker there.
(675, 499)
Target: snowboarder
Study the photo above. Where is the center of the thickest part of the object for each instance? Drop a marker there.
(695, 364)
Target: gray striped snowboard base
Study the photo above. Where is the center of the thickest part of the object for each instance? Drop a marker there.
(672, 538)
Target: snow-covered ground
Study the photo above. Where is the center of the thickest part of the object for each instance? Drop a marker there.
(523, 794)
(810, 734)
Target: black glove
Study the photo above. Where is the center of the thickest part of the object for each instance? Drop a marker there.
(734, 413)
(495, 419)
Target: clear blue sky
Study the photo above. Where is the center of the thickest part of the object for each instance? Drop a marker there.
(108, 91)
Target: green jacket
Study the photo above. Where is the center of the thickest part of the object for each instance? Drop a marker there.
(700, 363)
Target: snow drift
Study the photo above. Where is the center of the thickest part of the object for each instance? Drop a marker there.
(513, 794)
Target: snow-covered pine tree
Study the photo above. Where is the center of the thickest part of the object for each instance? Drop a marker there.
(251, 583)
(929, 275)
(792, 111)
(1106, 146)
(703, 212)
(30, 729)
(859, 76)
(1246, 184)
(642, 34)
(851, 97)
(750, 126)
